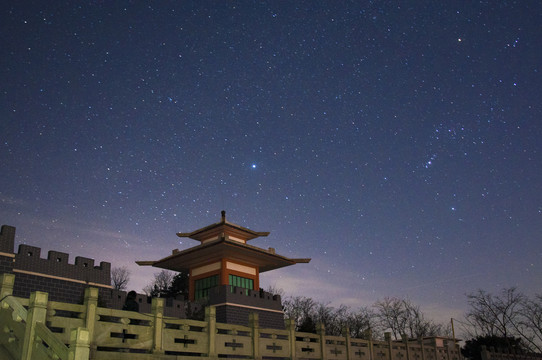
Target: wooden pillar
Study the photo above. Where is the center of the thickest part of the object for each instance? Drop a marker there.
(79, 344)
(321, 330)
(253, 320)
(37, 312)
(91, 307)
(6, 285)
(210, 318)
(290, 326)
(158, 324)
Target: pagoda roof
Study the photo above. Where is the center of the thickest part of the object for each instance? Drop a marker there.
(215, 230)
(223, 248)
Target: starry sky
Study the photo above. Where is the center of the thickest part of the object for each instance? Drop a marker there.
(397, 144)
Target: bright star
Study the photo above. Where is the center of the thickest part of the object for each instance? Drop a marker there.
(253, 166)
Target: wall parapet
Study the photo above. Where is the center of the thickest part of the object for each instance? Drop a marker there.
(7, 239)
(237, 295)
(28, 258)
(505, 354)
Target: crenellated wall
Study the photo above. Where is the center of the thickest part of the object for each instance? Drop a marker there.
(55, 275)
(246, 297)
(234, 305)
(67, 282)
(7, 239)
(57, 264)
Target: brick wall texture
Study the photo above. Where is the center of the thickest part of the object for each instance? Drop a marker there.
(6, 264)
(59, 290)
(7, 239)
(57, 264)
(231, 314)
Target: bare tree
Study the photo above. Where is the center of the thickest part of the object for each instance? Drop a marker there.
(161, 284)
(531, 322)
(493, 315)
(301, 309)
(390, 314)
(324, 314)
(362, 323)
(120, 276)
(417, 325)
(507, 315)
(339, 321)
(273, 289)
(402, 317)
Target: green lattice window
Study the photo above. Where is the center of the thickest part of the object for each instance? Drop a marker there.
(202, 286)
(241, 282)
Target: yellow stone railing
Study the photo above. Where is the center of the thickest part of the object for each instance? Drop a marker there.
(24, 334)
(39, 329)
(504, 354)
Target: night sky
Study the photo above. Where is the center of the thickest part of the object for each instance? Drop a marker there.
(397, 144)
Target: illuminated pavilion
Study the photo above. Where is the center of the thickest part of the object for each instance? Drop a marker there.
(225, 269)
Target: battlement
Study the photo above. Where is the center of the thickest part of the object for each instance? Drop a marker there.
(56, 265)
(237, 295)
(28, 258)
(7, 239)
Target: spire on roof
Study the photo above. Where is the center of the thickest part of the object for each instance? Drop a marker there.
(223, 212)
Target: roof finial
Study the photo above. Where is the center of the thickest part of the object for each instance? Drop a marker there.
(223, 212)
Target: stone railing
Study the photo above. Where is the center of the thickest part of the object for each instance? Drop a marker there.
(24, 334)
(121, 335)
(497, 354)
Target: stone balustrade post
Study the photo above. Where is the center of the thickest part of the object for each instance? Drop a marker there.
(157, 307)
(484, 353)
(6, 285)
(91, 315)
(420, 341)
(210, 318)
(369, 335)
(435, 346)
(321, 330)
(290, 326)
(79, 344)
(387, 338)
(404, 337)
(37, 312)
(346, 332)
(254, 324)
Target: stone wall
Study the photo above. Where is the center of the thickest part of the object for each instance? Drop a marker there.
(55, 275)
(57, 264)
(65, 282)
(246, 297)
(234, 304)
(7, 238)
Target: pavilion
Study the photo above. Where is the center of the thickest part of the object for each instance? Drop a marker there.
(224, 265)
